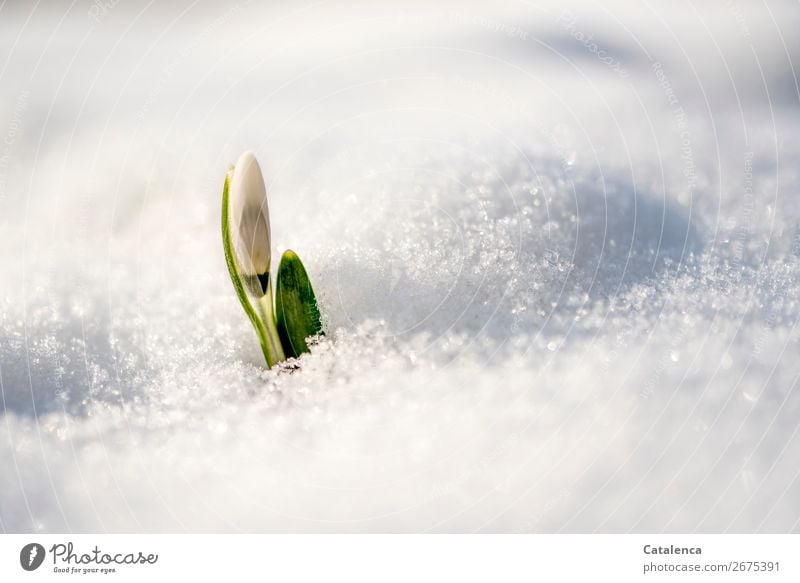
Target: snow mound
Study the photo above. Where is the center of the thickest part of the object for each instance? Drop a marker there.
(557, 298)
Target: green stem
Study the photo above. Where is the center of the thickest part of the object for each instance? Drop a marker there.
(268, 333)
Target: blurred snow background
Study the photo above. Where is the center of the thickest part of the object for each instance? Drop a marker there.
(556, 247)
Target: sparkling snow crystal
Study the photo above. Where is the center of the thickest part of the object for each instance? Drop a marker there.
(557, 297)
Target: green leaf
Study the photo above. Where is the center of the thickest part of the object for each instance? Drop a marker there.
(295, 306)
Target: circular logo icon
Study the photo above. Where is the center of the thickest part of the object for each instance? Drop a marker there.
(31, 556)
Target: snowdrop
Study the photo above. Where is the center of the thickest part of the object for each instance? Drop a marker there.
(246, 243)
(249, 224)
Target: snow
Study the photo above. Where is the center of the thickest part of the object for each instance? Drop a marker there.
(560, 297)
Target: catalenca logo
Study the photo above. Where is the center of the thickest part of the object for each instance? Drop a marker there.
(31, 556)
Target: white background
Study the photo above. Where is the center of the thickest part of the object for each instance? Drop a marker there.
(556, 253)
(398, 558)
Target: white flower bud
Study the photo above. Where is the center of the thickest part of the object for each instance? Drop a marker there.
(249, 223)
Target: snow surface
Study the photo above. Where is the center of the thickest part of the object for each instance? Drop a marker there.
(561, 292)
